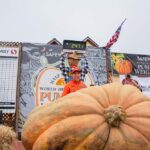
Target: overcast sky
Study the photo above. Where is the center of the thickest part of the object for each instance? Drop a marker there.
(38, 21)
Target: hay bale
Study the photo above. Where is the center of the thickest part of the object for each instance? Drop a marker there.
(7, 137)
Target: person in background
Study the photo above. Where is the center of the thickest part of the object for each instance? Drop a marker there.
(129, 80)
(75, 84)
(73, 61)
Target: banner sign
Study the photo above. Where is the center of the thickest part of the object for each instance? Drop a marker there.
(41, 79)
(9, 51)
(134, 64)
(8, 78)
(49, 85)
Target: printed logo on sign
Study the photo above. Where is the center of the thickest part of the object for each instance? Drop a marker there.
(9, 51)
(13, 51)
(49, 85)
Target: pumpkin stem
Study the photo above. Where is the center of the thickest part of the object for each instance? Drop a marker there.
(114, 115)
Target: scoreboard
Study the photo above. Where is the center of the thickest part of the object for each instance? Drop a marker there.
(8, 78)
(69, 46)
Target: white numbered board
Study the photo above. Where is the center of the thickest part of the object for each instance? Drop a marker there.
(8, 78)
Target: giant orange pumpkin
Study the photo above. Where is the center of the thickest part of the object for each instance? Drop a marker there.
(108, 117)
(123, 66)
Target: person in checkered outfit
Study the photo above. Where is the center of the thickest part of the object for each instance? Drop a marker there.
(73, 61)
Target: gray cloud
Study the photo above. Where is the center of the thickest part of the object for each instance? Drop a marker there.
(41, 20)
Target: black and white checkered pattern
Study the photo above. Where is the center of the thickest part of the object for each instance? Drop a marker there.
(66, 70)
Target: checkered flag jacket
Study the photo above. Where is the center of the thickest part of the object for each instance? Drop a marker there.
(66, 70)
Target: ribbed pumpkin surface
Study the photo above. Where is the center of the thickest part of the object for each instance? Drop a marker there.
(108, 117)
